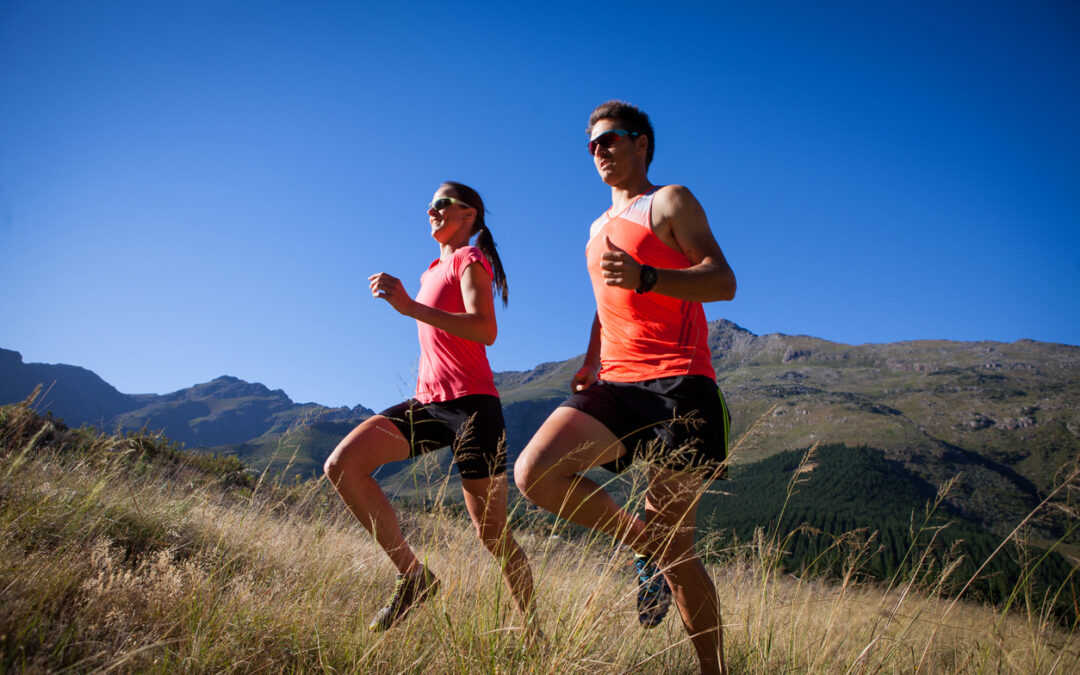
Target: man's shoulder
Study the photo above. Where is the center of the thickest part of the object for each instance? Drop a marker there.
(674, 201)
(673, 192)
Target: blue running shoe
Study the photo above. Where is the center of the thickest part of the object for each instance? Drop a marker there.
(654, 594)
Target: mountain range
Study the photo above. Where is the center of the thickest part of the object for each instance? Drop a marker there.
(224, 411)
(1002, 418)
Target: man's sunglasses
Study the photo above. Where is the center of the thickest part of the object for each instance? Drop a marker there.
(442, 202)
(608, 138)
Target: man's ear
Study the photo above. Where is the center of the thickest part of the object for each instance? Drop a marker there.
(641, 145)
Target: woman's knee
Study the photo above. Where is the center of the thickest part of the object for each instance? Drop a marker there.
(347, 458)
(373, 443)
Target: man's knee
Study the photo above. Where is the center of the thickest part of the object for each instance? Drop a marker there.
(333, 467)
(527, 475)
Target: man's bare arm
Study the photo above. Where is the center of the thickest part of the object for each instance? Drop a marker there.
(590, 367)
(680, 222)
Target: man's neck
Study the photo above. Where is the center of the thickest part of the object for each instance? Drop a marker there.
(624, 193)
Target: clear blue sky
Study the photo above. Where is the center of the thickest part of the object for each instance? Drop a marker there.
(191, 189)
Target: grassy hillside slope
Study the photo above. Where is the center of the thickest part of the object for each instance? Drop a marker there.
(127, 553)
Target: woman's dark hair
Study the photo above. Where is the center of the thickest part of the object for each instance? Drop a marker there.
(484, 241)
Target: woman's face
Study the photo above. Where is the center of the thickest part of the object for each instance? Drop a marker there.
(452, 223)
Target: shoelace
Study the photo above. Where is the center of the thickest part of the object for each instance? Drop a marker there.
(399, 590)
(648, 575)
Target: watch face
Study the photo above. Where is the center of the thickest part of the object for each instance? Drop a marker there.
(648, 279)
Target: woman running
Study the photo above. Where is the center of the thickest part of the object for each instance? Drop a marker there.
(456, 404)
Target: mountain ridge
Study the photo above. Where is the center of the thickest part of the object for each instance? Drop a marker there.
(226, 410)
(1001, 416)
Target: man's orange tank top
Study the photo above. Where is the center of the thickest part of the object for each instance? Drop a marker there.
(644, 336)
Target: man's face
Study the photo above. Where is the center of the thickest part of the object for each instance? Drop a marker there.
(615, 161)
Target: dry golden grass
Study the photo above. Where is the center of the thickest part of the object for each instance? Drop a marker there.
(112, 563)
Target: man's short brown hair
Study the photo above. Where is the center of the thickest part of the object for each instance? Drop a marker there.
(630, 118)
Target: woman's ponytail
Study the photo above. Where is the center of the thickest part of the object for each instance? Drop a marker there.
(484, 241)
(486, 244)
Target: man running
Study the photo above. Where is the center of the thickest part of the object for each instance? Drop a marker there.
(647, 387)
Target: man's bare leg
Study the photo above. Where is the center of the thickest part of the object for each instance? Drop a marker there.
(548, 472)
(671, 512)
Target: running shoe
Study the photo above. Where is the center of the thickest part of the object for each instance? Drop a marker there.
(409, 590)
(654, 594)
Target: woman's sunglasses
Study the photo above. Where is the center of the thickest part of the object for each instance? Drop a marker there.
(442, 202)
(608, 138)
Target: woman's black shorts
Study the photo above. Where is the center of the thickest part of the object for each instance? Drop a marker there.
(472, 426)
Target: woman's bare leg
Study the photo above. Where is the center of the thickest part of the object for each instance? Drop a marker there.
(374, 442)
(486, 500)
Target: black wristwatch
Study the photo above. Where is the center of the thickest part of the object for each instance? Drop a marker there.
(648, 279)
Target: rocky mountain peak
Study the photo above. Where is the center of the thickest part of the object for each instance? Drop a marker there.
(10, 358)
(227, 387)
(727, 337)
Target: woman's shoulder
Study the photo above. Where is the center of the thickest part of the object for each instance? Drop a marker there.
(468, 252)
(467, 255)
